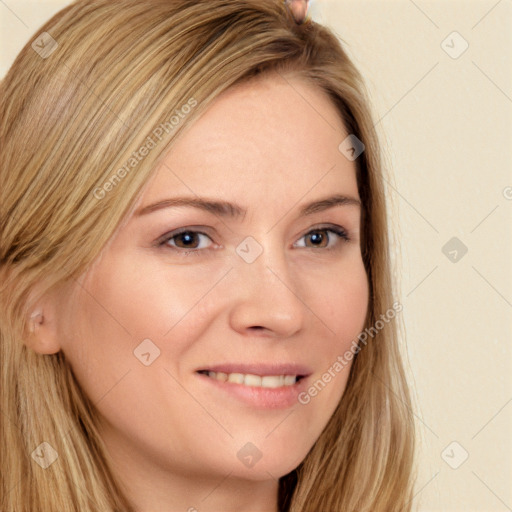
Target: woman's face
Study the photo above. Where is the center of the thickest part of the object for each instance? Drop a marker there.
(258, 282)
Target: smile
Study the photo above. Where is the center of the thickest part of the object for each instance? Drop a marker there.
(251, 380)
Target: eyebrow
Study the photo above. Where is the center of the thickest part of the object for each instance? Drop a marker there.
(227, 209)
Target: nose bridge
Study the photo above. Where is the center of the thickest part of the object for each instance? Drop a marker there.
(264, 261)
(266, 293)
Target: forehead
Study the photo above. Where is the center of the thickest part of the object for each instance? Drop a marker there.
(271, 136)
(270, 112)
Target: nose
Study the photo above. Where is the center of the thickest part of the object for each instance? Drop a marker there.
(267, 297)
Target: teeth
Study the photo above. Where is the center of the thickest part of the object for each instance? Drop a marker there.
(237, 378)
(252, 380)
(219, 376)
(222, 376)
(270, 381)
(267, 381)
(290, 380)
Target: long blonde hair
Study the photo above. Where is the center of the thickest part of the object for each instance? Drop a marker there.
(83, 95)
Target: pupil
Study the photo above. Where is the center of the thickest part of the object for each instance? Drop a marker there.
(318, 237)
(187, 237)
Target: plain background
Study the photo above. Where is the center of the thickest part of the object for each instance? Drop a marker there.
(446, 125)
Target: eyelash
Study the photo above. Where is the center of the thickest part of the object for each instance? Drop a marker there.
(162, 241)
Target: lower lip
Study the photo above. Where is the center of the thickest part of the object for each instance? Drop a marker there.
(259, 397)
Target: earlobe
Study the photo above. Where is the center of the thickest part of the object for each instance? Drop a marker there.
(36, 319)
(42, 333)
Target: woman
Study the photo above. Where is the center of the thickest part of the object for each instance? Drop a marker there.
(197, 308)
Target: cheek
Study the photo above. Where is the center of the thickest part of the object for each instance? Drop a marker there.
(140, 301)
(177, 309)
(154, 299)
(341, 306)
(352, 304)
(342, 310)
(117, 308)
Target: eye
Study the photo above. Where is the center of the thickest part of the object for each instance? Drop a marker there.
(184, 239)
(319, 238)
(187, 241)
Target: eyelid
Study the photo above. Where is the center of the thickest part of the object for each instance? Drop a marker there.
(161, 240)
(337, 229)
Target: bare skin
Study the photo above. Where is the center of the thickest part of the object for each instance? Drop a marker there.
(299, 9)
(175, 436)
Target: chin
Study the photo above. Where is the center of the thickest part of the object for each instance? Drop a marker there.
(267, 462)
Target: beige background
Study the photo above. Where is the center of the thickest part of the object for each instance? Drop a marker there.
(447, 126)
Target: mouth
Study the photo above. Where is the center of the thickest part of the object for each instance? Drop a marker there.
(254, 380)
(259, 385)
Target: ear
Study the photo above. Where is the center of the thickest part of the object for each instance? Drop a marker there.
(42, 324)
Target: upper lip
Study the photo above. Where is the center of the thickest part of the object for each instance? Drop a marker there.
(262, 369)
